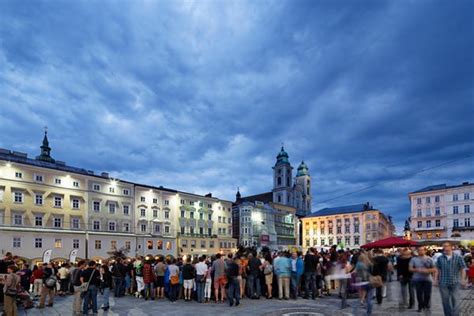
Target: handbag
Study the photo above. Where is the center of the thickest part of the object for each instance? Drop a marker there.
(268, 269)
(85, 286)
(174, 279)
(375, 281)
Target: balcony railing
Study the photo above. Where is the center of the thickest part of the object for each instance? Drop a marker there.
(429, 228)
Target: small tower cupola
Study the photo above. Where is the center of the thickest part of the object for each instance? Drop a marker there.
(45, 149)
(302, 170)
(282, 156)
(238, 196)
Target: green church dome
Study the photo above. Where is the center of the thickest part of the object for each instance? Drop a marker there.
(282, 156)
(302, 170)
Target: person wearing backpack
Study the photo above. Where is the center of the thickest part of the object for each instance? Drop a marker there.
(91, 277)
(10, 290)
(76, 283)
(49, 286)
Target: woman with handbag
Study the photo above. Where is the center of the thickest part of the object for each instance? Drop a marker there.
(268, 272)
(174, 281)
(10, 291)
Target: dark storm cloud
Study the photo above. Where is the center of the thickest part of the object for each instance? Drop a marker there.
(199, 95)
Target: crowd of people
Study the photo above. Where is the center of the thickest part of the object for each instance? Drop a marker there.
(247, 274)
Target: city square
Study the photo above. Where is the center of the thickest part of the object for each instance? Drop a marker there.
(280, 157)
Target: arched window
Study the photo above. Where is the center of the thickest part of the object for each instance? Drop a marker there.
(279, 181)
(288, 181)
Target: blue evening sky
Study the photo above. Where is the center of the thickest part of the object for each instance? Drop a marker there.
(199, 95)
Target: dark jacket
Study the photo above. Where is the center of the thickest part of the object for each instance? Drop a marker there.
(402, 268)
(188, 272)
(232, 270)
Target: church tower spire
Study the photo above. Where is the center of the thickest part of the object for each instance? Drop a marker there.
(45, 154)
(282, 179)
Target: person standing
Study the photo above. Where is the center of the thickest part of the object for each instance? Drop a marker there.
(160, 269)
(188, 279)
(138, 274)
(118, 275)
(201, 272)
(63, 275)
(173, 274)
(10, 288)
(91, 277)
(363, 270)
(37, 278)
(76, 283)
(282, 267)
(253, 283)
(381, 267)
(268, 273)
(422, 267)
(405, 278)
(25, 277)
(310, 268)
(449, 273)
(49, 286)
(218, 267)
(208, 285)
(297, 270)
(105, 285)
(233, 293)
(148, 280)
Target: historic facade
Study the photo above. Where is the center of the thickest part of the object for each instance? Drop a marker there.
(46, 204)
(347, 226)
(442, 211)
(270, 219)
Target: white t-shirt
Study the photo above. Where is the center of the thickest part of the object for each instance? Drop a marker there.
(201, 268)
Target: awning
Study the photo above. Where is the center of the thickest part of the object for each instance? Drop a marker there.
(389, 243)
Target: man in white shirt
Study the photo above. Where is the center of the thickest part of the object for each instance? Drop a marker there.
(201, 272)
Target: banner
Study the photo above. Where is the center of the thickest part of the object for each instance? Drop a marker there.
(73, 255)
(47, 255)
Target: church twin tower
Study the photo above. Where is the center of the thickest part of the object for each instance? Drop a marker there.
(288, 191)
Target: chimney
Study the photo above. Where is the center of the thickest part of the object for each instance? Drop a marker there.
(208, 195)
(105, 174)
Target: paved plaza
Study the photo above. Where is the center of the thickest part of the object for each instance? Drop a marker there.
(324, 306)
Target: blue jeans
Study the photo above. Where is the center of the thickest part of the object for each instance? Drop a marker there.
(233, 292)
(173, 294)
(118, 284)
(370, 293)
(149, 290)
(200, 289)
(449, 298)
(295, 281)
(105, 297)
(90, 296)
(253, 284)
(423, 293)
(407, 289)
(310, 282)
(127, 284)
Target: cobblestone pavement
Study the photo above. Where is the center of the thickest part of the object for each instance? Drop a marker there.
(324, 306)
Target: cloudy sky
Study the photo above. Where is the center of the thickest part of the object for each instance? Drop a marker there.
(199, 95)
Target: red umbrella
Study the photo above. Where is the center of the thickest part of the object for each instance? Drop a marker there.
(390, 242)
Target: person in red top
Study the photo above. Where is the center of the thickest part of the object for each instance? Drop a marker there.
(149, 280)
(37, 280)
(470, 272)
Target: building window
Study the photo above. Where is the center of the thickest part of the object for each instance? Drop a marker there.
(126, 210)
(193, 243)
(75, 204)
(428, 224)
(182, 202)
(428, 199)
(191, 230)
(159, 244)
(209, 217)
(338, 240)
(96, 187)
(96, 206)
(16, 242)
(455, 222)
(58, 243)
(209, 231)
(347, 240)
(128, 245)
(98, 244)
(38, 199)
(142, 199)
(18, 175)
(149, 244)
(18, 197)
(155, 213)
(126, 227)
(455, 197)
(112, 226)
(75, 184)
(455, 210)
(57, 222)
(75, 243)
(167, 229)
(191, 214)
(57, 181)
(75, 223)
(419, 224)
(143, 227)
(437, 211)
(356, 228)
(167, 202)
(184, 243)
(467, 222)
(58, 201)
(39, 221)
(112, 208)
(191, 202)
(157, 228)
(467, 209)
(96, 225)
(418, 201)
(418, 213)
(201, 230)
(219, 219)
(168, 245)
(155, 200)
(38, 242)
(126, 192)
(111, 190)
(338, 230)
(466, 196)
(203, 243)
(167, 214)
(142, 212)
(438, 223)
(428, 212)
(437, 199)
(183, 213)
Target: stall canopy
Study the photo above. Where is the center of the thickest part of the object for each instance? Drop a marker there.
(389, 243)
